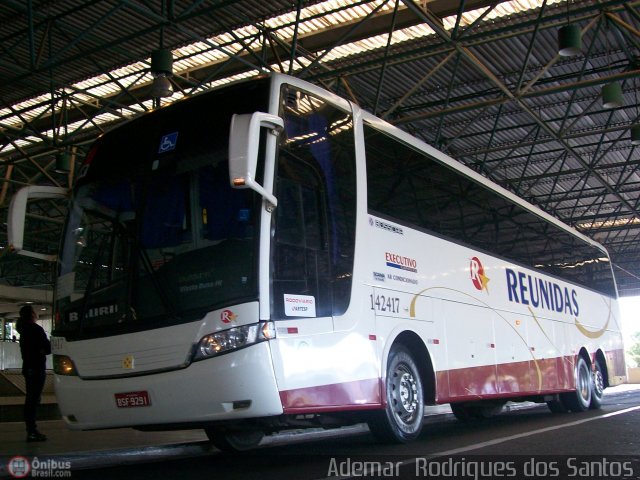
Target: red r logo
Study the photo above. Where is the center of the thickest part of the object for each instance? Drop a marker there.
(227, 316)
(478, 278)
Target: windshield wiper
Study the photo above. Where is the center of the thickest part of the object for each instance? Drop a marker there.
(121, 230)
(90, 280)
(146, 263)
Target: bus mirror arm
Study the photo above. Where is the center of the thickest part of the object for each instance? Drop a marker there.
(244, 140)
(18, 214)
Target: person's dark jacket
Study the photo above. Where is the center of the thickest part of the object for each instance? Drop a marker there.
(34, 346)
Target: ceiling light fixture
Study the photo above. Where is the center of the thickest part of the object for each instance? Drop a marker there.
(161, 69)
(635, 134)
(611, 92)
(569, 41)
(63, 162)
(612, 95)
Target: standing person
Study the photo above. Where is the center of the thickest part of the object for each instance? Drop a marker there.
(34, 346)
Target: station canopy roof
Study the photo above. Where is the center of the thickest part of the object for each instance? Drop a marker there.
(480, 80)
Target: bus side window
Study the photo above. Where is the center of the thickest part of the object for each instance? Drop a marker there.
(416, 189)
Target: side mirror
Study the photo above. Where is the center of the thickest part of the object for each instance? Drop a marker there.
(244, 139)
(18, 214)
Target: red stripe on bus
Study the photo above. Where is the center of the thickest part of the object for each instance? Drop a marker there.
(508, 380)
(361, 394)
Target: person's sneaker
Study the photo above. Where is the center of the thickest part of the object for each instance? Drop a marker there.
(36, 437)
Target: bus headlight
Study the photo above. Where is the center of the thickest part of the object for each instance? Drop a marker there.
(233, 339)
(63, 365)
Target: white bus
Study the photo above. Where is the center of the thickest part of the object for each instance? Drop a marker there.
(268, 255)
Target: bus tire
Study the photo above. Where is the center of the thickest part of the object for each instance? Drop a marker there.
(598, 386)
(401, 420)
(234, 441)
(580, 399)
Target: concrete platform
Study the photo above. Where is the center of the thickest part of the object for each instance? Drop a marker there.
(95, 449)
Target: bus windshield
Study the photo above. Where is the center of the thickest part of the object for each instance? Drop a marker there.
(155, 238)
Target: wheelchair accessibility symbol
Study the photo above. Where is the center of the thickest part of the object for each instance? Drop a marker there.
(168, 142)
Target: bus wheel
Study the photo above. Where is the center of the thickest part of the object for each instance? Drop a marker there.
(597, 390)
(580, 399)
(232, 441)
(401, 420)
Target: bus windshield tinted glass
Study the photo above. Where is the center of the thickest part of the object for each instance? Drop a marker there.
(155, 235)
(164, 248)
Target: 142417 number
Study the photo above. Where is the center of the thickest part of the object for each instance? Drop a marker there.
(380, 303)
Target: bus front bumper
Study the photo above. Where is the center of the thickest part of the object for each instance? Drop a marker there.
(234, 386)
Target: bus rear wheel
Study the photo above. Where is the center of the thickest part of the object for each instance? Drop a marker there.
(580, 399)
(233, 441)
(401, 420)
(598, 386)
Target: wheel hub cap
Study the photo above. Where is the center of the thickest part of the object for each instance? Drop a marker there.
(408, 393)
(598, 383)
(404, 394)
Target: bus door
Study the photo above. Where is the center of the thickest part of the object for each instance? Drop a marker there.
(312, 249)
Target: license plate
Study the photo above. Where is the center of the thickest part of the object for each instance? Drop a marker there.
(132, 399)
